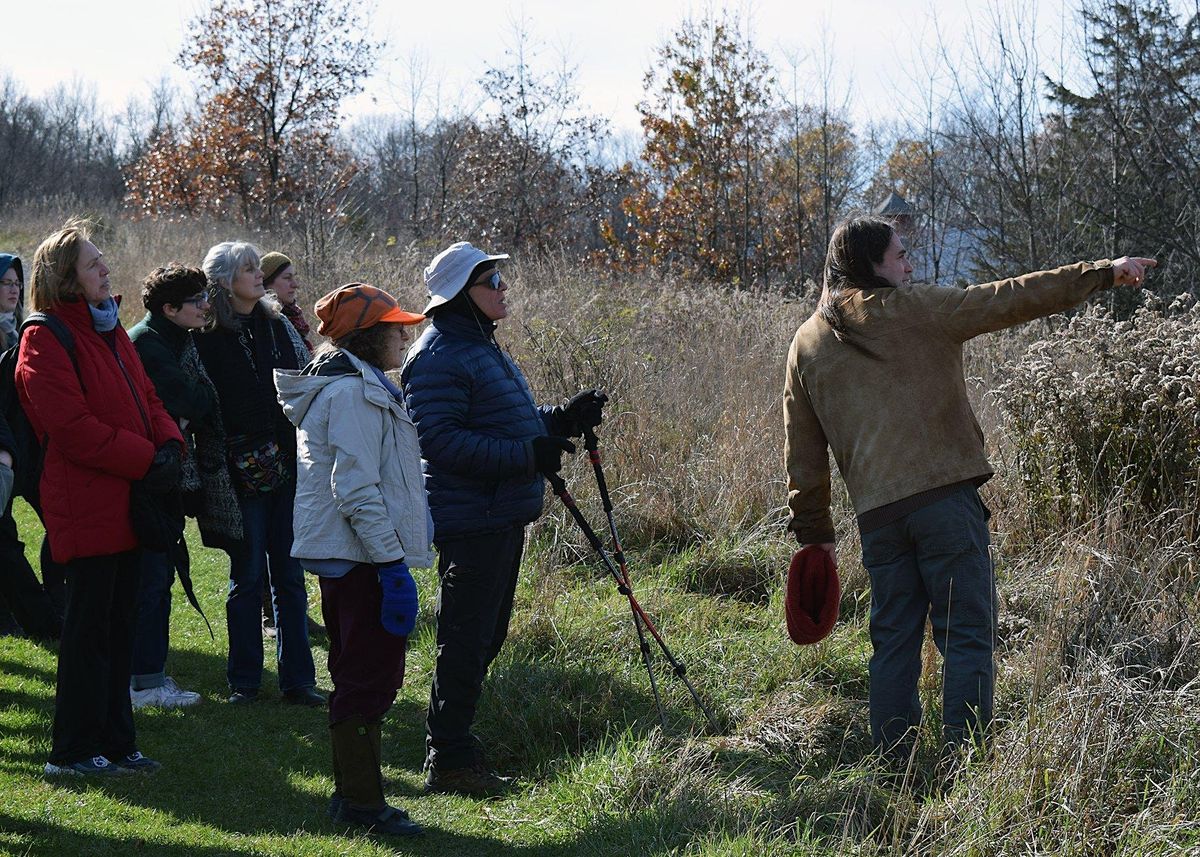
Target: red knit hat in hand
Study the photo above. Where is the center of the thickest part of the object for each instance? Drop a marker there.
(812, 595)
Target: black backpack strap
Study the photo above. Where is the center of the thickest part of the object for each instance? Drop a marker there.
(61, 332)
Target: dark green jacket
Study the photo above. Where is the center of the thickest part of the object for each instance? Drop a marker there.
(160, 342)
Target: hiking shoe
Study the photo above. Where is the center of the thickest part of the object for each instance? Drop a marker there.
(304, 696)
(138, 763)
(335, 805)
(97, 766)
(166, 695)
(389, 821)
(243, 695)
(475, 781)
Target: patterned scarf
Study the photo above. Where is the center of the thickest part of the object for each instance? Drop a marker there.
(295, 315)
(219, 513)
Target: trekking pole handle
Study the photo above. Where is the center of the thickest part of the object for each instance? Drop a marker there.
(590, 442)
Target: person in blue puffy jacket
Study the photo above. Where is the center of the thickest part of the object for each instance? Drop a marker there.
(485, 445)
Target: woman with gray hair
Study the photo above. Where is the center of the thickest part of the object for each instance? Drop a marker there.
(244, 342)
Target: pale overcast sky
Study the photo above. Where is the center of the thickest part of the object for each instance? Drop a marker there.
(123, 46)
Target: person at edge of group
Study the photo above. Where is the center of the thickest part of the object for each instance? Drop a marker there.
(876, 375)
(358, 448)
(485, 444)
(25, 605)
(245, 340)
(279, 276)
(176, 302)
(105, 429)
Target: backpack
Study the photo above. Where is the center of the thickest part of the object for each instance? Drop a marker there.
(29, 450)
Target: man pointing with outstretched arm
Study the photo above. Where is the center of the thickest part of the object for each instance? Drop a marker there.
(876, 376)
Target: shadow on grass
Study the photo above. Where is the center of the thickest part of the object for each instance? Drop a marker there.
(46, 838)
(540, 712)
(642, 835)
(26, 746)
(24, 669)
(22, 699)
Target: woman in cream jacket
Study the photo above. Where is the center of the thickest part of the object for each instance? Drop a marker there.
(360, 521)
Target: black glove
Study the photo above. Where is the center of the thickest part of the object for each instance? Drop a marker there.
(547, 452)
(585, 409)
(164, 473)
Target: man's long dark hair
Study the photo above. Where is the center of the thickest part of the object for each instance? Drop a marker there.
(856, 247)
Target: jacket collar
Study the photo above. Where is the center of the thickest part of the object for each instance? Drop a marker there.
(76, 314)
(175, 335)
(467, 327)
(373, 389)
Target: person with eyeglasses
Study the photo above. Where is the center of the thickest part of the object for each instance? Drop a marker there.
(11, 288)
(176, 302)
(26, 606)
(12, 299)
(486, 444)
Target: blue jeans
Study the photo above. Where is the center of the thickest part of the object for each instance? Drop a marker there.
(152, 628)
(934, 563)
(267, 551)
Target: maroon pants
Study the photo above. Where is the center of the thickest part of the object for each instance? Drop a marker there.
(366, 663)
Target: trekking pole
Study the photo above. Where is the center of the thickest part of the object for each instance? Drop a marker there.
(640, 619)
(592, 445)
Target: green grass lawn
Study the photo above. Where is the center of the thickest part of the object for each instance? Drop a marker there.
(567, 710)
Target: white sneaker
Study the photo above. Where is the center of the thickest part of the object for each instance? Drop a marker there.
(166, 695)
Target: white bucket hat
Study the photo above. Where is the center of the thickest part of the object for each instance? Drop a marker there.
(447, 273)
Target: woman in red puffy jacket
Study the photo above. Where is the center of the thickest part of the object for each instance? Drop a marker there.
(102, 427)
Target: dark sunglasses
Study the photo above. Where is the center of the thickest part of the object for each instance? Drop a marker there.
(492, 282)
(202, 297)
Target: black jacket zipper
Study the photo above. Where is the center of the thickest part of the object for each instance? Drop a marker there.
(132, 389)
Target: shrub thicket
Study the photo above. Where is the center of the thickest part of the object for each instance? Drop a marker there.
(1104, 418)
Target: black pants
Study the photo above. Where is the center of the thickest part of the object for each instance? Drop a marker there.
(478, 579)
(92, 711)
(20, 590)
(54, 578)
(54, 574)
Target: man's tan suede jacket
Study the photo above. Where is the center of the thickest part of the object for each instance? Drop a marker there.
(902, 424)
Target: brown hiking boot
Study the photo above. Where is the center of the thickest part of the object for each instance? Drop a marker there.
(475, 781)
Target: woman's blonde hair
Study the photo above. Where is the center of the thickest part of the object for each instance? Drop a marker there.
(53, 280)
